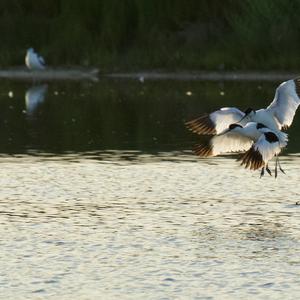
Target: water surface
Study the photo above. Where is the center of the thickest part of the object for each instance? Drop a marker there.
(120, 115)
(101, 198)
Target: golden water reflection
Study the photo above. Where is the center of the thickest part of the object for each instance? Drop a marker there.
(131, 225)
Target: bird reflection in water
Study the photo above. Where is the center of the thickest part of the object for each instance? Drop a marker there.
(34, 97)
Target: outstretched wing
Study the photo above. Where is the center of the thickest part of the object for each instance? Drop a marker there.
(286, 102)
(261, 152)
(216, 122)
(224, 143)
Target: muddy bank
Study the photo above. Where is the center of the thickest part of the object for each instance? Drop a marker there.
(51, 74)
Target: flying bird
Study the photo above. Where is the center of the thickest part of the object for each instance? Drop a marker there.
(277, 116)
(257, 133)
(34, 61)
(259, 143)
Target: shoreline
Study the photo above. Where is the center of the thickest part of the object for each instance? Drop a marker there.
(207, 75)
(93, 74)
(76, 73)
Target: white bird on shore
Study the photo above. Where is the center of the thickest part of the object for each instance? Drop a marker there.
(34, 61)
(260, 143)
(277, 116)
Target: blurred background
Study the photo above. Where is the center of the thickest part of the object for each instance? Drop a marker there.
(137, 34)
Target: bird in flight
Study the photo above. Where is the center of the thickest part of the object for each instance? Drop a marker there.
(34, 61)
(256, 133)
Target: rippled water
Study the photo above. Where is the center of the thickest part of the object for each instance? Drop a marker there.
(164, 226)
(79, 221)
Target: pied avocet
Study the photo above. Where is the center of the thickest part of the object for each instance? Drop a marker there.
(277, 116)
(260, 143)
(34, 61)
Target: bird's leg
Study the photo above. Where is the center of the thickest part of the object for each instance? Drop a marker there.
(268, 170)
(276, 165)
(262, 173)
(279, 165)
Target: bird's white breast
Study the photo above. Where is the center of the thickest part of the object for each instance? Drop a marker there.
(32, 61)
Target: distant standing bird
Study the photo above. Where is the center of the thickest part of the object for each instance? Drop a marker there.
(34, 61)
(141, 79)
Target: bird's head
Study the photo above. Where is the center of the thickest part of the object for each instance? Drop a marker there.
(260, 125)
(30, 50)
(249, 113)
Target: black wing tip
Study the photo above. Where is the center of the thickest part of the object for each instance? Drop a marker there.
(252, 159)
(203, 150)
(202, 125)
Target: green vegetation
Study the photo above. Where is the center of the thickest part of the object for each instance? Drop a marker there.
(153, 34)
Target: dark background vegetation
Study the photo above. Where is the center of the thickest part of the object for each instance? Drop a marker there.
(153, 34)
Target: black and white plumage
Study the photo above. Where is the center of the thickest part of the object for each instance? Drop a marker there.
(277, 116)
(34, 61)
(257, 134)
(263, 150)
(260, 143)
(269, 144)
(232, 140)
(215, 122)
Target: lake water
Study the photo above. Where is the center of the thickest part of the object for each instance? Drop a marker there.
(101, 197)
